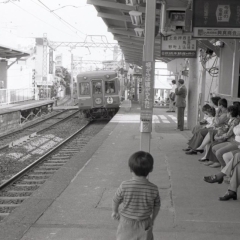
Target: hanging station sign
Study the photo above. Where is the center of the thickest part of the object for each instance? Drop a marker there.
(147, 93)
(216, 18)
(178, 46)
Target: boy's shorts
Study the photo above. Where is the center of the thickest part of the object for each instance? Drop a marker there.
(130, 229)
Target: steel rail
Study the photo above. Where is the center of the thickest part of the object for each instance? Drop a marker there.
(39, 160)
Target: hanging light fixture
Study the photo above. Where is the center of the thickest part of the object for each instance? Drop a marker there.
(131, 2)
(140, 32)
(136, 18)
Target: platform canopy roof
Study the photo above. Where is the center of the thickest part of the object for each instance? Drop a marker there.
(8, 52)
(115, 13)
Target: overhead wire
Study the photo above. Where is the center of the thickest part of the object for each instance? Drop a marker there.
(61, 19)
(41, 19)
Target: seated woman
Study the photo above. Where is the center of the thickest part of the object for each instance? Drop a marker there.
(232, 170)
(203, 136)
(207, 121)
(224, 140)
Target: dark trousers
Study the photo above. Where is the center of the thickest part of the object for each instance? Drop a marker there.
(180, 118)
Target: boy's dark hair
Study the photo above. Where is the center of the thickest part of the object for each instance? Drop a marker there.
(223, 102)
(233, 111)
(174, 81)
(141, 163)
(215, 100)
(206, 107)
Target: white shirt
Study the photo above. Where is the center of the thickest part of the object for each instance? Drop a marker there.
(174, 86)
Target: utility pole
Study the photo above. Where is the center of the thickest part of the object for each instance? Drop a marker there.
(71, 83)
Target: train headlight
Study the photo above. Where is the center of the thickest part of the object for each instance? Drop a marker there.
(98, 100)
(109, 100)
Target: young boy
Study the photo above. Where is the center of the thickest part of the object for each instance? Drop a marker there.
(140, 200)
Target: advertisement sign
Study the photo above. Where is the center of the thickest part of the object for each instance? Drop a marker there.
(216, 18)
(178, 46)
(147, 93)
(50, 61)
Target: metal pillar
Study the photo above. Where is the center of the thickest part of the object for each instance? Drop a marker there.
(203, 89)
(192, 93)
(44, 65)
(71, 83)
(235, 69)
(229, 68)
(148, 56)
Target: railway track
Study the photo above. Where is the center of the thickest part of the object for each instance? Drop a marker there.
(20, 186)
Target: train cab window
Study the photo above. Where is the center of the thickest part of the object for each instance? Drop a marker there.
(84, 88)
(110, 87)
(97, 87)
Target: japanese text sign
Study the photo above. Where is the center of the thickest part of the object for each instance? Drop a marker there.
(216, 18)
(50, 61)
(147, 91)
(178, 46)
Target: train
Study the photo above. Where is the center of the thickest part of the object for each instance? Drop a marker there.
(98, 94)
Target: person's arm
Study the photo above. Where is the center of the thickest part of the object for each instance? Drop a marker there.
(115, 213)
(117, 199)
(154, 214)
(230, 131)
(156, 208)
(220, 119)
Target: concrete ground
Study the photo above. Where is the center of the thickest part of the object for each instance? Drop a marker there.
(76, 203)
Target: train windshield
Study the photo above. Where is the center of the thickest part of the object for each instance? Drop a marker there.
(97, 87)
(84, 88)
(110, 87)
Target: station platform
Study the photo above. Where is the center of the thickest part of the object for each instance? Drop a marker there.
(76, 203)
(24, 105)
(13, 115)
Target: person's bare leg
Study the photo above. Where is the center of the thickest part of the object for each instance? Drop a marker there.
(205, 141)
(207, 147)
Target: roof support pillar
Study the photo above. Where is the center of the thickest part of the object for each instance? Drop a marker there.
(229, 68)
(3, 74)
(192, 111)
(148, 57)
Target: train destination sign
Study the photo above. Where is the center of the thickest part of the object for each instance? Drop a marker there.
(178, 46)
(216, 18)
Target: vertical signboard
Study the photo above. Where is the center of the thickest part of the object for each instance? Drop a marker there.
(50, 61)
(147, 93)
(216, 18)
(178, 46)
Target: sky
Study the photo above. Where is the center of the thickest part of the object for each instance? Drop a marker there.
(24, 20)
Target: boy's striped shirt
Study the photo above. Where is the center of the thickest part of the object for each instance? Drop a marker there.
(139, 198)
